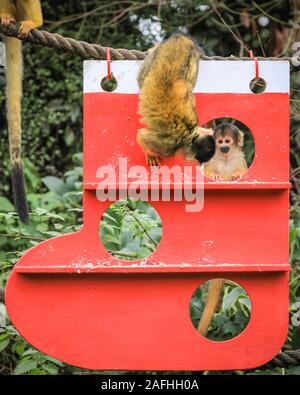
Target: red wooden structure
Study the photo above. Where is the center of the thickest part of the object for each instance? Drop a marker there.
(72, 300)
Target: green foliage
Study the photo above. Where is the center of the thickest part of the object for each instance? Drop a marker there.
(56, 211)
(130, 229)
(232, 317)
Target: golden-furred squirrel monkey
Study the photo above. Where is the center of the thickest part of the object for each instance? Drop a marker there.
(167, 104)
(228, 164)
(29, 14)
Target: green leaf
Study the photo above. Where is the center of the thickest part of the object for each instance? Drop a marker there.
(133, 246)
(144, 251)
(52, 233)
(6, 205)
(4, 336)
(19, 349)
(244, 299)
(3, 240)
(126, 237)
(37, 372)
(50, 368)
(77, 158)
(69, 136)
(31, 174)
(25, 366)
(55, 361)
(41, 211)
(54, 184)
(111, 239)
(230, 328)
(43, 227)
(108, 218)
(31, 351)
(195, 313)
(4, 344)
(230, 299)
(239, 318)
(295, 371)
(221, 319)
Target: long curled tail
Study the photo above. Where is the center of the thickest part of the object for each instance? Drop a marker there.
(14, 74)
(215, 291)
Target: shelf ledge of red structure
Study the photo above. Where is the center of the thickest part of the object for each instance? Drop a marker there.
(138, 267)
(207, 185)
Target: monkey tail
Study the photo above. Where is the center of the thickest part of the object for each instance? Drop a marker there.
(214, 295)
(14, 75)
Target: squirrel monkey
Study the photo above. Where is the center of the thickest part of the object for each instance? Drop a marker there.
(29, 14)
(166, 102)
(228, 163)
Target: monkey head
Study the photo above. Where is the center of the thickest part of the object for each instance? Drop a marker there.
(228, 137)
(203, 145)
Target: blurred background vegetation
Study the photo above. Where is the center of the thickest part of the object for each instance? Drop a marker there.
(52, 124)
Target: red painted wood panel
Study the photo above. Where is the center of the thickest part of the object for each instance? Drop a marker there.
(241, 230)
(141, 321)
(111, 132)
(68, 297)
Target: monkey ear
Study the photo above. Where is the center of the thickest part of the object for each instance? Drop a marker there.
(240, 138)
(210, 125)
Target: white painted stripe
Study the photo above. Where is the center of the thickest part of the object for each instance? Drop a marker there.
(215, 76)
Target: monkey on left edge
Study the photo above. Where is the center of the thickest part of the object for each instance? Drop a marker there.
(29, 14)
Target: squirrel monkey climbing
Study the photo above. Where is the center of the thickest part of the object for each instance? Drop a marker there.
(29, 14)
(228, 164)
(167, 104)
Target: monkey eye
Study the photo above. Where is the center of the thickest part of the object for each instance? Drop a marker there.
(220, 141)
(227, 141)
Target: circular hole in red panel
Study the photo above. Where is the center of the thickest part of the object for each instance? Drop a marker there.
(220, 309)
(130, 229)
(109, 84)
(258, 85)
(235, 149)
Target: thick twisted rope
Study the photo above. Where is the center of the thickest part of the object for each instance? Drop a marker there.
(95, 51)
(82, 48)
(284, 359)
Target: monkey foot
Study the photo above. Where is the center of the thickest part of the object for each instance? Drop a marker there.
(153, 162)
(25, 28)
(6, 19)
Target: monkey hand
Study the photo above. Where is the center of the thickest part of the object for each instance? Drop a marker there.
(205, 131)
(217, 178)
(6, 19)
(237, 176)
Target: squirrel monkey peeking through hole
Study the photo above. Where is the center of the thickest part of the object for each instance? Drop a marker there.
(228, 163)
(167, 104)
(29, 14)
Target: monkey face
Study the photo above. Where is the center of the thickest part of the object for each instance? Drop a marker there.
(224, 144)
(228, 137)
